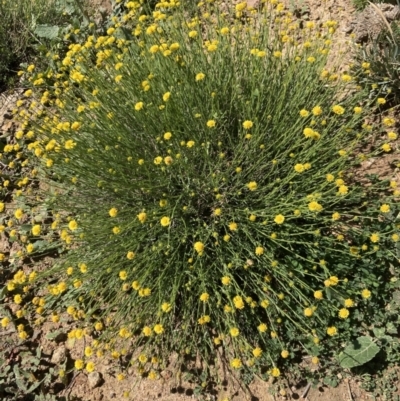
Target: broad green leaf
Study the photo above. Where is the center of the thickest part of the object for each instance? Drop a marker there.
(361, 351)
(47, 31)
(379, 332)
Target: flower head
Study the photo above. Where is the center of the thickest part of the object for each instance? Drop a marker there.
(165, 221)
(199, 247)
(252, 186)
(247, 124)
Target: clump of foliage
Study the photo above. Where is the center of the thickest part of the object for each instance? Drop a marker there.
(26, 26)
(201, 172)
(379, 63)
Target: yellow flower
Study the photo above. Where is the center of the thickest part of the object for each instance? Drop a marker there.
(166, 307)
(357, 110)
(275, 372)
(344, 313)
(315, 360)
(165, 221)
(158, 329)
(72, 225)
(211, 123)
(315, 206)
(304, 113)
(167, 136)
(199, 247)
(257, 352)
(262, 328)
(166, 96)
(317, 110)
(139, 106)
(234, 331)
(343, 190)
(18, 213)
(236, 363)
(331, 331)
(168, 160)
(241, 6)
(123, 275)
(392, 136)
(224, 30)
(158, 160)
(36, 229)
(284, 353)
(190, 144)
(279, 219)
(252, 186)
(366, 293)
(299, 168)
(386, 147)
(204, 319)
(247, 124)
(233, 226)
(142, 217)
(381, 100)
(374, 237)
(116, 230)
(79, 364)
(308, 312)
(395, 237)
(154, 49)
(259, 250)
(200, 76)
(113, 212)
(348, 303)
(335, 216)
(385, 208)
(204, 297)
(388, 122)
(318, 294)
(308, 132)
(225, 280)
(147, 331)
(338, 109)
(90, 367)
(70, 144)
(238, 302)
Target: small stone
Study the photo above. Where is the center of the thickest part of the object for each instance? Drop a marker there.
(59, 355)
(94, 379)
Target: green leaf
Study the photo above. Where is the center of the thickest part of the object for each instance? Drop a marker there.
(47, 31)
(358, 353)
(391, 328)
(379, 332)
(52, 335)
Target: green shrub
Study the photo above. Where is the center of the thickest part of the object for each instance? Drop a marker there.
(202, 176)
(379, 63)
(19, 21)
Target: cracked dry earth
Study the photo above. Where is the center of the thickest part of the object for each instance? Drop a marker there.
(104, 385)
